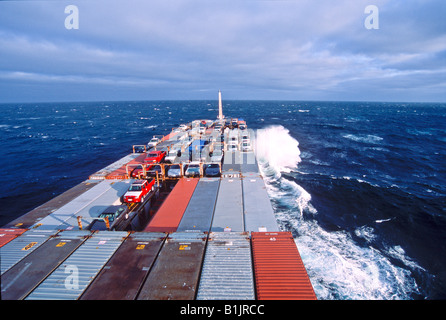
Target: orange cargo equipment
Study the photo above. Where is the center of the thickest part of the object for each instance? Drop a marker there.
(278, 268)
(169, 215)
(121, 173)
(8, 234)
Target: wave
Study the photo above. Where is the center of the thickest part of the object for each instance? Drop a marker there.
(339, 267)
(365, 138)
(276, 146)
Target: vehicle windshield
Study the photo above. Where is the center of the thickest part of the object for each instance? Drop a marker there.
(212, 165)
(152, 155)
(135, 188)
(110, 216)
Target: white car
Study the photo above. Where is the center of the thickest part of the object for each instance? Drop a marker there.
(246, 146)
(232, 145)
(152, 143)
(174, 171)
(193, 169)
(172, 155)
(245, 138)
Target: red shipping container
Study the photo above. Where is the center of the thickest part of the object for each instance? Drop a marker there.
(169, 215)
(278, 268)
(7, 234)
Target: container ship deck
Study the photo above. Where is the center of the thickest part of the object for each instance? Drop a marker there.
(186, 217)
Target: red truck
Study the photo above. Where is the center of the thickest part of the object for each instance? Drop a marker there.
(139, 190)
(155, 157)
(152, 157)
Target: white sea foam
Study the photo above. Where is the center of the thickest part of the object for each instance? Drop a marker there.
(366, 138)
(275, 145)
(339, 268)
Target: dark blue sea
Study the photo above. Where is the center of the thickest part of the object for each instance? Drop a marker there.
(361, 185)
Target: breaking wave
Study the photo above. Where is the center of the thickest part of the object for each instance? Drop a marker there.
(276, 146)
(339, 267)
(365, 138)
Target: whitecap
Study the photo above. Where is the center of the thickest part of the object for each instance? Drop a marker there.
(275, 145)
(383, 220)
(369, 138)
(338, 267)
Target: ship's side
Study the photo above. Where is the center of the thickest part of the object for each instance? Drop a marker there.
(191, 221)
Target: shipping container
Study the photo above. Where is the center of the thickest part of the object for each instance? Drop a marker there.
(231, 161)
(249, 163)
(169, 215)
(228, 213)
(24, 276)
(73, 276)
(31, 218)
(93, 209)
(175, 273)
(197, 145)
(278, 268)
(8, 234)
(88, 205)
(18, 248)
(227, 268)
(200, 210)
(123, 275)
(258, 212)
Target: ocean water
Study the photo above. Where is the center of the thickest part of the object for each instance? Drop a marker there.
(361, 185)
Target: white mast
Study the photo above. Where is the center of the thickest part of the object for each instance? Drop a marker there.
(220, 106)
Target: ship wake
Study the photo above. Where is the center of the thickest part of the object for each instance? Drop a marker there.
(339, 268)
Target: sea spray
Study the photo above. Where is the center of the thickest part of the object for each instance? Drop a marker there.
(275, 145)
(278, 152)
(338, 267)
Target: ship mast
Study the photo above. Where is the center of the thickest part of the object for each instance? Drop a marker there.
(220, 106)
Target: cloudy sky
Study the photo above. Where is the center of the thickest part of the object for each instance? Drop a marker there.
(250, 49)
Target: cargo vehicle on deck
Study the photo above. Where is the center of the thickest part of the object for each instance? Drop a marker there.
(153, 169)
(217, 156)
(153, 142)
(138, 171)
(138, 191)
(246, 146)
(173, 171)
(193, 169)
(212, 170)
(155, 156)
(173, 154)
(232, 146)
(114, 214)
